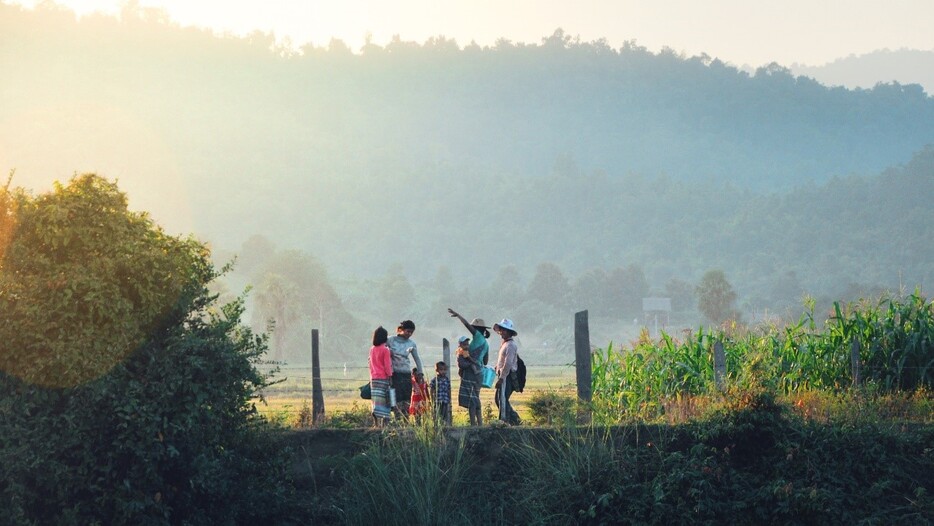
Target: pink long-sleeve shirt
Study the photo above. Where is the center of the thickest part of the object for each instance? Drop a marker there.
(380, 363)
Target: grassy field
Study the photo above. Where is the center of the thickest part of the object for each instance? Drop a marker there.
(284, 400)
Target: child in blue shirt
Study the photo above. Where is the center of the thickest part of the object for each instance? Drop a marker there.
(441, 394)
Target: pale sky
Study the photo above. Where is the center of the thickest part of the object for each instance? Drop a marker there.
(742, 32)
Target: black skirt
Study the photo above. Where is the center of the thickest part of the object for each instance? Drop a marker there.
(402, 383)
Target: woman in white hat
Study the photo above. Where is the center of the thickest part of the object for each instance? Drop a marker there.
(470, 361)
(506, 364)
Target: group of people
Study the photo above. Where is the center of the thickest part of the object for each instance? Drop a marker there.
(390, 374)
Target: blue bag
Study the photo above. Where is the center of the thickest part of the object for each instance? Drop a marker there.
(488, 376)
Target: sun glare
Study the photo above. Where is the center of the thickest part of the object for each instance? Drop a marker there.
(7, 217)
(731, 30)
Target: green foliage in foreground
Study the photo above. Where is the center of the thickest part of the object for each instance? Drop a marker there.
(753, 462)
(164, 435)
(83, 281)
(895, 339)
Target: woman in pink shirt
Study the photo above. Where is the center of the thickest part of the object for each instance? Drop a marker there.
(380, 375)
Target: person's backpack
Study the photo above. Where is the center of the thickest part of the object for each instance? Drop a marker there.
(520, 374)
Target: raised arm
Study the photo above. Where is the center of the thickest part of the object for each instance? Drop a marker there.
(463, 320)
(413, 350)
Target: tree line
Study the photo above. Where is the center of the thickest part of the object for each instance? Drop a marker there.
(515, 106)
(611, 157)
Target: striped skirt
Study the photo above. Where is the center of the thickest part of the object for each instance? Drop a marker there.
(468, 395)
(379, 392)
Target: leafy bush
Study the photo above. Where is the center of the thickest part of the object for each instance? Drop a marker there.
(84, 282)
(161, 431)
(357, 416)
(552, 407)
(750, 462)
(866, 406)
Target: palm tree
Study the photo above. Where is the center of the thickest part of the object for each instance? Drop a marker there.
(278, 303)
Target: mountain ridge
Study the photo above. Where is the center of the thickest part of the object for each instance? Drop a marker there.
(617, 156)
(904, 66)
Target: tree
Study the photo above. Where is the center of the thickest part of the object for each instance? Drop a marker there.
(681, 293)
(253, 253)
(549, 285)
(443, 282)
(626, 287)
(445, 296)
(83, 281)
(278, 304)
(397, 294)
(787, 291)
(159, 429)
(715, 297)
(310, 278)
(505, 291)
(295, 292)
(590, 292)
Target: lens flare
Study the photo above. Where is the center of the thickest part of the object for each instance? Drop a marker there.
(85, 282)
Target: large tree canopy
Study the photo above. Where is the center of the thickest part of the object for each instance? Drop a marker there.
(125, 393)
(715, 297)
(83, 281)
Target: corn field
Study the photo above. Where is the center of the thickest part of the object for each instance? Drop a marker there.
(894, 338)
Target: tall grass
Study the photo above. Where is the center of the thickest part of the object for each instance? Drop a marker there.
(571, 474)
(753, 462)
(414, 475)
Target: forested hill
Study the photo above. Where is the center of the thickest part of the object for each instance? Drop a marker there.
(236, 107)
(573, 152)
(914, 66)
(859, 233)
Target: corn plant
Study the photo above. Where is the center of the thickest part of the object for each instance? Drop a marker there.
(896, 352)
(636, 382)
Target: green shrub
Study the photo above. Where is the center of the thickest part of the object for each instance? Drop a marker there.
(359, 415)
(749, 462)
(552, 408)
(162, 432)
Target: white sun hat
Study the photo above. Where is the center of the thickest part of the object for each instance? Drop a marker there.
(506, 324)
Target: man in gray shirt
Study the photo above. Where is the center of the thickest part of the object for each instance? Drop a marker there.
(400, 347)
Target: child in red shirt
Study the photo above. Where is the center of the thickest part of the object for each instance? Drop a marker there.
(419, 402)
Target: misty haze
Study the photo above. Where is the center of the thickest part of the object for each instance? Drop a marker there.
(443, 168)
(696, 290)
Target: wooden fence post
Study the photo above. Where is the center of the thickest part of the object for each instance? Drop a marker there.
(317, 396)
(719, 365)
(446, 352)
(582, 357)
(854, 361)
